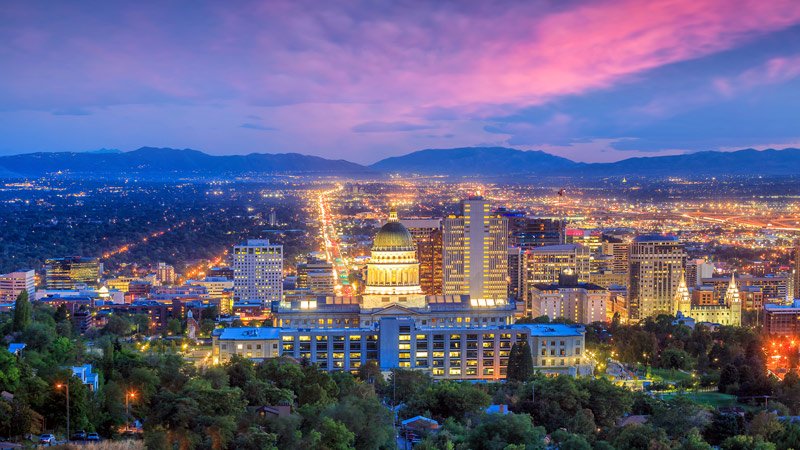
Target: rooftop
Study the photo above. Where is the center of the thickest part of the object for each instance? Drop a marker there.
(250, 333)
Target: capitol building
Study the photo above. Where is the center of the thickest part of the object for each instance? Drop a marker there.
(396, 325)
(393, 290)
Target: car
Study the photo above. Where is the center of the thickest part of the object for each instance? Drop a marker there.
(93, 437)
(79, 436)
(47, 439)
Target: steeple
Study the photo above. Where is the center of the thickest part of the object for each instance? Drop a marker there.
(682, 301)
(732, 293)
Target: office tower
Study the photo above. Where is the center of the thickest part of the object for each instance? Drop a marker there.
(546, 264)
(514, 272)
(165, 274)
(529, 232)
(11, 284)
(475, 252)
(316, 276)
(427, 234)
(796, 277)
(656, 270)
(587, 238)
(258, 271)
(72, 272)
(696, 270)
(618, 251)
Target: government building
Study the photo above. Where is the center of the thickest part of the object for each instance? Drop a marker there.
(395, 324)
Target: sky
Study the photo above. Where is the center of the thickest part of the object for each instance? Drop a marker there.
(595, 80)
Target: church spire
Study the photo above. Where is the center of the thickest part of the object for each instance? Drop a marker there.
(682, 301)
(732, 293)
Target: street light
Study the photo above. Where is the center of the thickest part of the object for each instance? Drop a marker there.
(66, 387)
(128, 397)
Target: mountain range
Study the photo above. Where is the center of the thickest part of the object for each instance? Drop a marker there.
(468, 161)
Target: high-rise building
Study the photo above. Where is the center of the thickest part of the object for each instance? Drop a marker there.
(656, 270)
(796, 277)
(165, 274)
(11, 284)
(546, 264)
(316, 276)
(696, 270)
(258, 271)
(618, 251)
(72, 272)
(515, 276)
(530, 232)
(587, 238)
(475, 252)
(427, 234)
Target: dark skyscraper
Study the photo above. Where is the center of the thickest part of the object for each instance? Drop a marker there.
(530, 232)
(427, 236)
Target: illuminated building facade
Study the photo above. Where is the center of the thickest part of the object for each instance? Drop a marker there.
(427, 234)
(475, 252)
(393, 290)
(258, 271)
(315, 275)
(72, 272)
(11, 284)
(729, 312)
(544, 265)
(165, 274)
(656, 270)
(458, 353)
(580, 302)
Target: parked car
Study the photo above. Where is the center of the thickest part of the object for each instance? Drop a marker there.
(47, 439)
(79, 436)
(93, 437)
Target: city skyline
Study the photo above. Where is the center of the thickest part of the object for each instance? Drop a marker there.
(363, 82)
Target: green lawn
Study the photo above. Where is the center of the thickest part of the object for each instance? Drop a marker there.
(669, 375)
(715, 399)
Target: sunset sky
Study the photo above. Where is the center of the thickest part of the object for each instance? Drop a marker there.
(362, 80)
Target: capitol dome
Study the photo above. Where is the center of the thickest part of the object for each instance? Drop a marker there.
(393, 236)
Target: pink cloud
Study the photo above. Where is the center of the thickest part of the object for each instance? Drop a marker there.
(316, 70)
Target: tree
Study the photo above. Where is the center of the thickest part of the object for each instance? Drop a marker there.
(448, 399)
(743, 442)
(9, 371)
(694, 441)
(640, 437)
(23, 312)
(766, 425)
(335, 435)
(675, 358)
(520, 362)
(729, 378)
(498, 431)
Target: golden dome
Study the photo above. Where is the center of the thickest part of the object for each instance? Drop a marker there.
(393, 236)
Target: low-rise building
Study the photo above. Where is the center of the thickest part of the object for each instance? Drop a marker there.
(256, 343)
(462, 353)
(782, 320)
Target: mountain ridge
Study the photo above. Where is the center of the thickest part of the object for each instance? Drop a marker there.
(463, 161)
